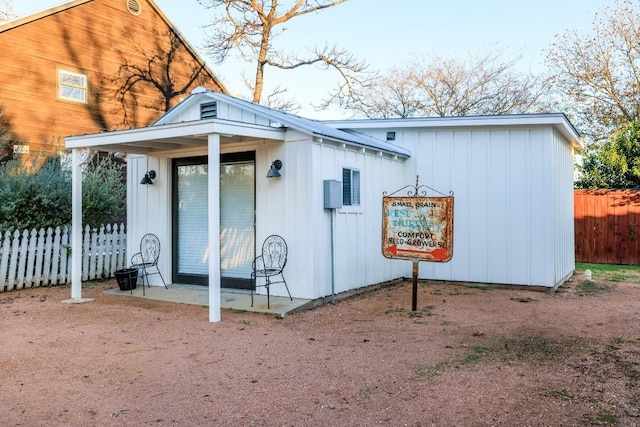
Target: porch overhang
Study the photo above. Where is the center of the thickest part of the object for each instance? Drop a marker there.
(153, 140)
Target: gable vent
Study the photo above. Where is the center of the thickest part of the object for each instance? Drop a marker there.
(209, 110)
(133, 6)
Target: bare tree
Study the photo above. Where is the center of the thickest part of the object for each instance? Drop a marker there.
(6, 10)
(448, 87)
(597, 76)
(251, 28)
(391, 95)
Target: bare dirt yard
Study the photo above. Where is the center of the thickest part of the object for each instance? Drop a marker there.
(469, 356)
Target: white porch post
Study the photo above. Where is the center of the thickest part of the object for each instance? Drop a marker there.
(214, 228)
(76, 227)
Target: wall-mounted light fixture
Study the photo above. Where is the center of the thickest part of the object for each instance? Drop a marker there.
(148, 176)
(274, 170)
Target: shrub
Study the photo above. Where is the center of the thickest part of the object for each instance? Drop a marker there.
(33, 196)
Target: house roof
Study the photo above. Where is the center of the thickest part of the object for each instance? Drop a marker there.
(168, 133)
(24, 20)
(558, 121)
(282, 119)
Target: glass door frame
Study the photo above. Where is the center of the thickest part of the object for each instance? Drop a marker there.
(198, 160)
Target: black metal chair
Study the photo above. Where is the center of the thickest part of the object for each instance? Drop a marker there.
(147, 258)
(270, 264)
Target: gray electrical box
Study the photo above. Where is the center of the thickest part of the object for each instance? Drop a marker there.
(332, 194)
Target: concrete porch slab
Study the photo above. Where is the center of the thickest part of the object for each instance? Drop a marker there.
(229, 298)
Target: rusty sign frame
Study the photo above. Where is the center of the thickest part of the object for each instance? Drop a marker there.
(416, 226)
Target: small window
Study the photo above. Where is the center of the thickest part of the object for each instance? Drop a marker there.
(350, 187)
(72, 86)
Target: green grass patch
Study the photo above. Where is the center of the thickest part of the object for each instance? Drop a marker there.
(536, 348)
(477, 353)
(395, 310)
(611, 272)
(586, 287)
(607, 417)
(427, 371)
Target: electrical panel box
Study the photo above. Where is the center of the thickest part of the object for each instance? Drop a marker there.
(332, 194)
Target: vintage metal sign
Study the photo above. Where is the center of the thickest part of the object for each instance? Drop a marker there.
(417, 228)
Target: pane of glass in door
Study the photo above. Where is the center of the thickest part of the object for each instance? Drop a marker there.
(237, 212)
(192, 217)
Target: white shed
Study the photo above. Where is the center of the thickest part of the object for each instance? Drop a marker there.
(511, 177)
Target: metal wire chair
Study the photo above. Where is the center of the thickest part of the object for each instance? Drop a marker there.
(147, 258)
(270, 264)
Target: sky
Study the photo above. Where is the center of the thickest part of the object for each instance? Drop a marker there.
(387, 33)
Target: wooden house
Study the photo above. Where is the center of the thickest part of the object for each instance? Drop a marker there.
(214, 198)
(89, 66)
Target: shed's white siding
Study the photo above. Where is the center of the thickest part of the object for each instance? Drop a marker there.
(293, 207)
(357, 229)
(513, 213)
(147, 208)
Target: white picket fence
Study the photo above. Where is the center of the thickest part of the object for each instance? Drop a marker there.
(32, 258)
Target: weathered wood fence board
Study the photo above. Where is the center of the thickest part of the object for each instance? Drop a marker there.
(607, 226)
(32, 258)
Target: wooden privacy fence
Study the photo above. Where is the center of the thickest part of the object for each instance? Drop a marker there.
(32, 258)
(607, 226)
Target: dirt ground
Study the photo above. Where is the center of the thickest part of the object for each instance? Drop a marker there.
(469, 356)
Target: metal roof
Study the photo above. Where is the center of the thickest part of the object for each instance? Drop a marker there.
(558, 121)
(312, 127)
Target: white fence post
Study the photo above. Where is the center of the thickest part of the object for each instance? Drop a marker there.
(24, 247)
(4, 258)
(31, 258)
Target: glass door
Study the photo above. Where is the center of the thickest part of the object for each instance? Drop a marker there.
(237, 218)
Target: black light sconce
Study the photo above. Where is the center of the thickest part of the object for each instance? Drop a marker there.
(148, 176)
(274, 170)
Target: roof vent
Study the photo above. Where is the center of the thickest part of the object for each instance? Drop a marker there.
(133, 6)
(209, 110)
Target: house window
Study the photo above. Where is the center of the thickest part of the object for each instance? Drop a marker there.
(72, 86)
(350, 187)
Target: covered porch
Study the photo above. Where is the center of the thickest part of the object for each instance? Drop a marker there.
(155, 147)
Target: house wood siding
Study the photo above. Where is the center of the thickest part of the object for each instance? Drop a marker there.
(94, 38)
